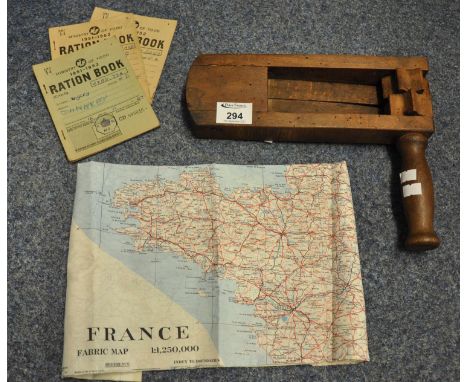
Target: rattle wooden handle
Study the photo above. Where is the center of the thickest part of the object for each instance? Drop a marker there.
(418, 194)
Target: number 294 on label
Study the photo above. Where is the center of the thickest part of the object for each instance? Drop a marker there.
(234, 112)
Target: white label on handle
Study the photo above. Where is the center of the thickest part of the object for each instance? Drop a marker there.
(234, 112)
(412, 189)
(408, 175)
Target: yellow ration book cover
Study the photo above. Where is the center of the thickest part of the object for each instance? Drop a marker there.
(155, 37)
(94, 99)
(71, 38)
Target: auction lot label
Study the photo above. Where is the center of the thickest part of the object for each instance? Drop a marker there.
(234, 112)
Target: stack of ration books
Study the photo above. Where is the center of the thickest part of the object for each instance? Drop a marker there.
(103, 77)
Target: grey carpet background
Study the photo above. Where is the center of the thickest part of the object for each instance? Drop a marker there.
(412, 300)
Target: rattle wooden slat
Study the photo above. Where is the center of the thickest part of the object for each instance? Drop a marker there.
(365, 76)
(322, 91)
(299, 106)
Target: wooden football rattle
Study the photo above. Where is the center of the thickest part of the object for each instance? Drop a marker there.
(324, 98)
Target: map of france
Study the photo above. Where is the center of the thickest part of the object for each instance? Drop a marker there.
(292, 254)
(212, 266)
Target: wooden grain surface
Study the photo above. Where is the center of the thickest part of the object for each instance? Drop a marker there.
(302, 127)
(323, 91)
(208, 85)
(300, 106)
(341, 75)
(314, 61)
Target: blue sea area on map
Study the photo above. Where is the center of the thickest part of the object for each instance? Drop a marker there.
(207, 297)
